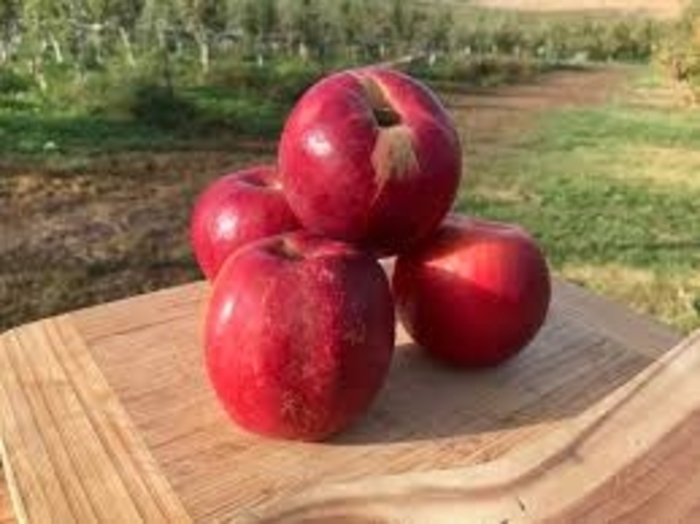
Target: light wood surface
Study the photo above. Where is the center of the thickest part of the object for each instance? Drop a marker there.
(69, 449)
(6, 514)
(633, 457)
(105, 415)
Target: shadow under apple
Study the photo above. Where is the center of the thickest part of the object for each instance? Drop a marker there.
(569, 366)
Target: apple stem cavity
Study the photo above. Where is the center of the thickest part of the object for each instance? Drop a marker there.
(394, 153)
(261, 182)
(384, 114)
(286, 250)
(386, 117)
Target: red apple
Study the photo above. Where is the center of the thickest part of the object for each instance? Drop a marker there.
(370, 156)
(299, 335)
(237, 209)
(475, 294)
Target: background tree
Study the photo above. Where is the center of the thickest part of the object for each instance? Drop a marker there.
(10, 11)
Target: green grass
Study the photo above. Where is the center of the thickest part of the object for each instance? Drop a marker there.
(31, 128)
(242, 113)
(241, 102)
(612, 194)
(29, 134)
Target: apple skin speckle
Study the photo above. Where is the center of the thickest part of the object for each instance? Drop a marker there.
(309, 343)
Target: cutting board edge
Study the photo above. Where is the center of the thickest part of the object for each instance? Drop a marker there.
(555, 478)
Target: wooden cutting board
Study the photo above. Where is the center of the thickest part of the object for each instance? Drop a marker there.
(106, 416)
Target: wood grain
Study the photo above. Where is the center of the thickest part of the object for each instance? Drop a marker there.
(115, 398)
(70, 452)
(631, 458)
(7, 515)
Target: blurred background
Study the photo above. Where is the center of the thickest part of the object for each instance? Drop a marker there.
(578, 117)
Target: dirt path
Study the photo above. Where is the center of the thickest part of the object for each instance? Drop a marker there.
(494, 115)
(660, 8)
(118, 226)
(115, 227)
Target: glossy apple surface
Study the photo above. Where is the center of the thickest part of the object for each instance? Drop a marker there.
(474, 294)
(234, 210)
(370, 156)
(299, 335)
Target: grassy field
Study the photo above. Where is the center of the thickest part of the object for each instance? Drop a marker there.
(612, 192)
(95, 208)
(32, 127)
